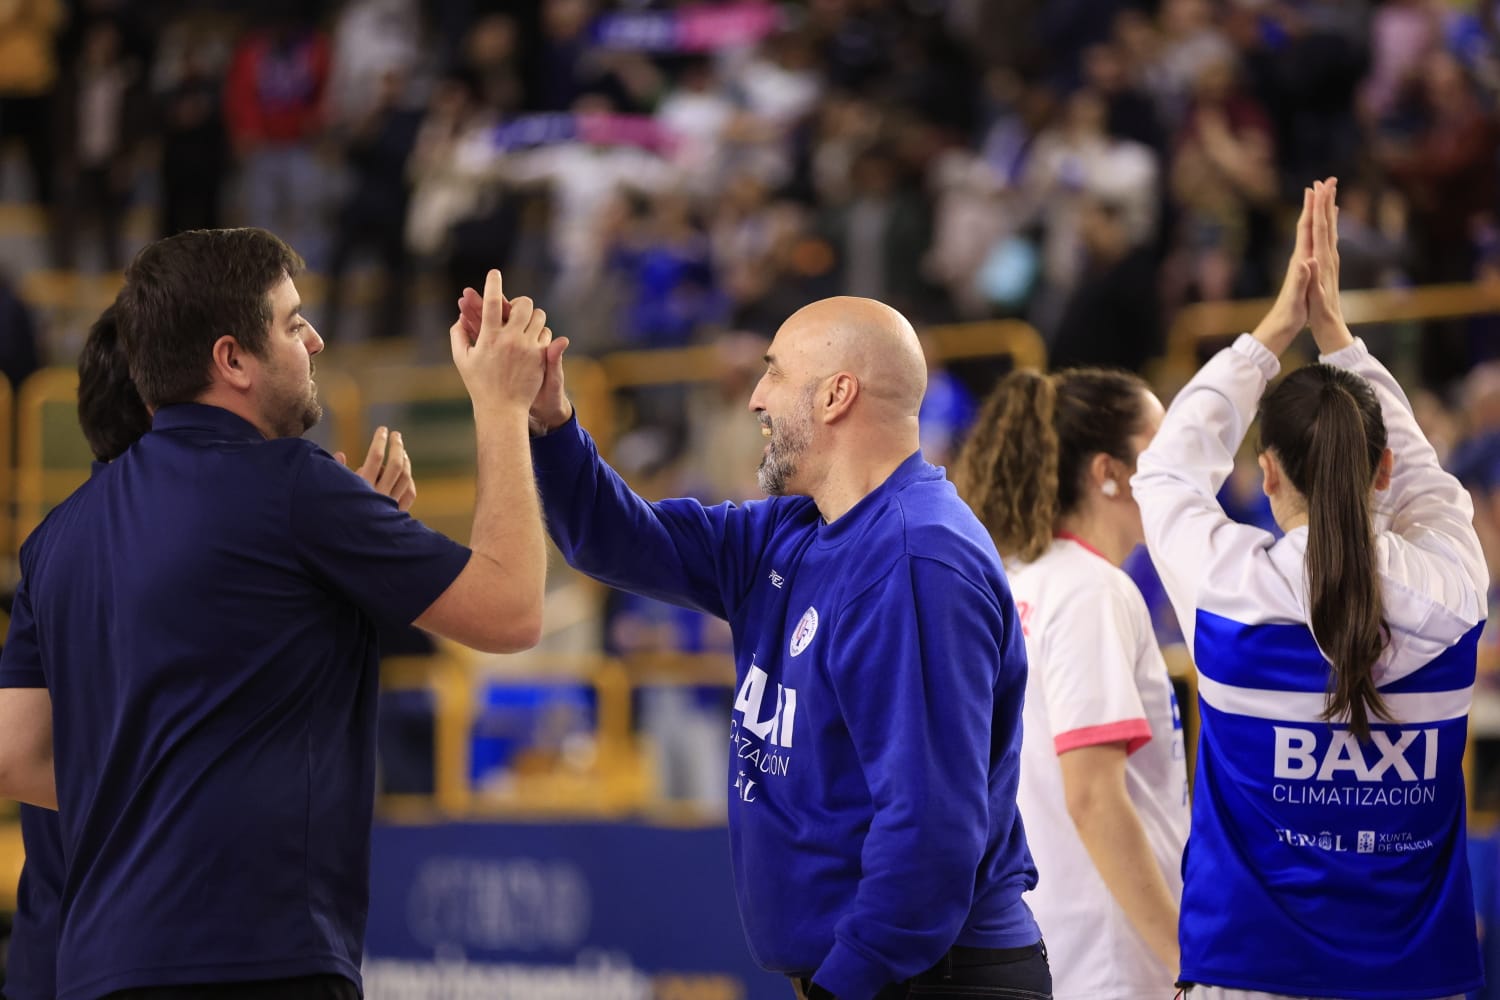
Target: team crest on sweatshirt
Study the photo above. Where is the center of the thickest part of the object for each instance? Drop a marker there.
(805, 630)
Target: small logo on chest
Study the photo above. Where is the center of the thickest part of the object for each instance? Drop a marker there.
(805, 630)
(777, 579)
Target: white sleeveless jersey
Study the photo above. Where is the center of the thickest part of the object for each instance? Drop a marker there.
(1317, 865)
(1095, 676)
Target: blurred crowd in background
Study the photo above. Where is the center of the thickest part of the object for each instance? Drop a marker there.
(661, 171)
(659, 174)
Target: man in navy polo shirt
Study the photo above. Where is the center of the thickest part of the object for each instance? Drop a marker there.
(194, 636)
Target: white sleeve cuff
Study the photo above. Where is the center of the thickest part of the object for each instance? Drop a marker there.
(1259, 354)
(1347, 357)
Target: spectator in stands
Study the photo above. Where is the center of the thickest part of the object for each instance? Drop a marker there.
(194, 146)
(664, 257)
(28, 73)
(1130, 113)
(101, 120)
(1223, 172)
(698, 112)
(1074, 162)
(1113, 317)
(18, 336)
(372, 39)
(875, 759)
(492, 56)
(373, 215)
(879, 234)
(1190, 43)
(1445, 167)
(444, 192)
(274, 108)
(972, 212)
(235, 711)
(582, 179)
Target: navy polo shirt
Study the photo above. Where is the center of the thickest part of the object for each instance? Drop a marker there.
(203, 613)
(31, 960)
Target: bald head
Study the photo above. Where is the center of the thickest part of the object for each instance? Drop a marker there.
(865, 338)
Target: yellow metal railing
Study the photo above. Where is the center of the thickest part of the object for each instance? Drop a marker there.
(52, 458)
(1208, 320)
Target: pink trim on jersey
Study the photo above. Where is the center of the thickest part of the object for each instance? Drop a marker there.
(1070, 537)
(1134, 733)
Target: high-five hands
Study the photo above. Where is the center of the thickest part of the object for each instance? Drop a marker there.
(1324, 311)
(1310, 291)
(549, 407)
(387, 468)
(501, 348)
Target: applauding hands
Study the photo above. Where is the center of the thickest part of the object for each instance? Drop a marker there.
(1310, 291)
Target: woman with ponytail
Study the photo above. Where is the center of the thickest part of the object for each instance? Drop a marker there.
(1336, 665)
(1103, 790)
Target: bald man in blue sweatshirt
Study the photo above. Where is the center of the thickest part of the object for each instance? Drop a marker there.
(880, 667)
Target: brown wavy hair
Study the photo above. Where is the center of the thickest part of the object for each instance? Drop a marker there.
(1023, 464)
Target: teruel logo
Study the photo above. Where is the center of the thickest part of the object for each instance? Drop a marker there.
(1325, 841)
(1300, 758)
(777, 579)
(777, 728)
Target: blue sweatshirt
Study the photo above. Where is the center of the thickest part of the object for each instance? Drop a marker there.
(1319, 865)
(876, 732)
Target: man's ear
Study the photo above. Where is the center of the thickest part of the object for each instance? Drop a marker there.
(1270, 471)
(231, 363)
(838, 396)
(1384, 469)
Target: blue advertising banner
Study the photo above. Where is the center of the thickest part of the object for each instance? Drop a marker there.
(556, 912)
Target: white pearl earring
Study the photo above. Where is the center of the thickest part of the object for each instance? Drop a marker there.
(1109, 488)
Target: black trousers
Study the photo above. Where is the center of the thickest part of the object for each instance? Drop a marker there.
(969, 974)
(301, 988)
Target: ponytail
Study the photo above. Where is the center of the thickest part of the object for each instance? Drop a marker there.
(1342, 587)
(1325, 427)
(1007, 469)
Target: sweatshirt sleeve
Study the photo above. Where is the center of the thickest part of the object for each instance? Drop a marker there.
(1431, 548)
(915, 679)
(1178, 477)
(678, 551)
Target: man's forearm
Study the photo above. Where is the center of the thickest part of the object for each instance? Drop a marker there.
(29, 779)
(507, 516)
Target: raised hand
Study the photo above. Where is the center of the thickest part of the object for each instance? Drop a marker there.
(550, 408)
(502, 360)
(1325, 312)
(1288, 313)
(387, 468)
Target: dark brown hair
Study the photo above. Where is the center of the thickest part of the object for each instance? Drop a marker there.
(183, 293)
(1325, 428)
(110, 411)
(1023, 464)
